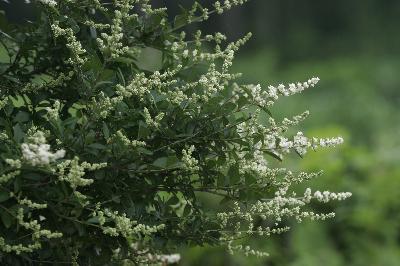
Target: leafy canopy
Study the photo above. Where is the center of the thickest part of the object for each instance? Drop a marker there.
(114, 124)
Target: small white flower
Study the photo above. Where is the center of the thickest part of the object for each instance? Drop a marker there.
(51, 3)
(170, 259)
(37, 151)
(301, 143)
(285, 144)
(190, 162)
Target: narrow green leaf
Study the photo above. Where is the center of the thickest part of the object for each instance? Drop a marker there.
(21, 117)
(4, 195)
(161, 162)
(18, 133)
(143, 130)
(274, 155)
(106, 131)
(6, 218)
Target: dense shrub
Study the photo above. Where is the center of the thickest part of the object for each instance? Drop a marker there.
(113, 122)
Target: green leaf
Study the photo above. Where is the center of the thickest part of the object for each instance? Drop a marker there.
(33, 176)
(301, 156)
(97, 146)
(4, 195)
(221, 180)
(6, 218)
(225, 201)
(167, 162)
(17, 184)
(144, 151)
(80, 228)
(150, 59)
(266, 110)
(233, 174)
(18, 133)
(173, 200)
(161, 162)
(144, 131)
(120, 76)
(106, 131)
(274, 155)
(181, 19)
(93, 220)
(70, 122)
(106, 75)
(124, 60)
(187, 210)
(93, 63)
(250, 179)
(8, 109)
(116, 198)
(4, 56)
(229, 107)
(173, 161)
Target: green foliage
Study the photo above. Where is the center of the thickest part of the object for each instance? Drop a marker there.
(113, 126)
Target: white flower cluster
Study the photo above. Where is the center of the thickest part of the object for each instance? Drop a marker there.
(76, 172)
(112, 43)
(31, 204)
(256, 164)
(266, 98)
(165, 84)
(14, 163)
(3, 102)
(37, 151)
(103, 105)
(325, 196)
(277, 208)
(123, 226)
(152, 122)
(210, 83)
(227, 4)
(283, 204)
(53, 113)
(169, 259)
(120, 137)
(291, 89)
(51, 3)
(37, 232)
(59, 81)
(295, 120)
(3, 136)
(327, 142)
(204, 13)
(300, 143)
(141, 85)
(191, 163)
(72, 43)
(247, 250)
(259, 96)
(4, 178)
(214, 81)
(39, 154)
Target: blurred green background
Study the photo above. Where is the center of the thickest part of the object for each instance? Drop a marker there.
(354, 47)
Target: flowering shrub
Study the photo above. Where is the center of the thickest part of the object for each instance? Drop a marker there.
(105, 152)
